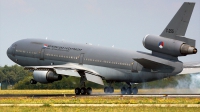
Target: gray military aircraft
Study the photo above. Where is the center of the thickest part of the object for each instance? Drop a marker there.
(51, 60)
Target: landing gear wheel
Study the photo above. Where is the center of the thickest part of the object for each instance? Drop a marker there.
(111, 89)
(77, 91)
(83, 91)
(135, 90)
(32, 81)
(89, 90)
(123, 90)
(129, 90)
(106, 90)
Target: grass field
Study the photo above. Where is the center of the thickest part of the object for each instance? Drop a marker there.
(72, 99)
(98, 100)
(98, 109)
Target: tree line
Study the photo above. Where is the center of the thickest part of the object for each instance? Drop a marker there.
(18, 77)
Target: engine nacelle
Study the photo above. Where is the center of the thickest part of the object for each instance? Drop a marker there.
(168, 46)
(46, 76)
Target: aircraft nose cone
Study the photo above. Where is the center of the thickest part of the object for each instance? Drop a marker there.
(9, 52)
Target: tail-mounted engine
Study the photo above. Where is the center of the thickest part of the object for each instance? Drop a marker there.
(46, 76)
(168, 46)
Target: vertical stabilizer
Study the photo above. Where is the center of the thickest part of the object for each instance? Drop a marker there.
(179, 23)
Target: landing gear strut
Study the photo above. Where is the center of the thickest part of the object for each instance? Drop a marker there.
(83, 90)
(129, 90)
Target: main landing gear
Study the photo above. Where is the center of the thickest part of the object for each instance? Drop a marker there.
(109, 88)
(83, 90)
(129, 90)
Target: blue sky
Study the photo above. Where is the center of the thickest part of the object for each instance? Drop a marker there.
(122, 23)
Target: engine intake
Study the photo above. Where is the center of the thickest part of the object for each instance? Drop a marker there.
(168, 46)
(46, 76)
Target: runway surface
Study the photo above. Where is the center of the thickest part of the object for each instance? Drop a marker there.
(100, 95)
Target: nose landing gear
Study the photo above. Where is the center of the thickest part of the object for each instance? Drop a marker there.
(32, 81)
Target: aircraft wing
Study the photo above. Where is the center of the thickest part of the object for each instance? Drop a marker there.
(71, 69)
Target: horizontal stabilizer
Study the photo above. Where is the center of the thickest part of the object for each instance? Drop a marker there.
(155, 66)
(190, 70)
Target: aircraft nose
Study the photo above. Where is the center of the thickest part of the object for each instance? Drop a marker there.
(9, 52)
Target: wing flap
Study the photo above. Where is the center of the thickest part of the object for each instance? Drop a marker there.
(67, 72)
(153, 65)
(94, 78)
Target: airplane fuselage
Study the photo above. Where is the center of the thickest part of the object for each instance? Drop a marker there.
(112, 64)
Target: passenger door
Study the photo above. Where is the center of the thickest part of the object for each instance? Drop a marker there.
(42, 54)
(81, 58)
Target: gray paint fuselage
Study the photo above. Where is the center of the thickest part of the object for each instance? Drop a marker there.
(112, 64)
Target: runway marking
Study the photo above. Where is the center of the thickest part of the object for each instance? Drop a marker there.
(103, 105)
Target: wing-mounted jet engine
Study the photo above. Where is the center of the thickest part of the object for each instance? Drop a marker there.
(44, 77)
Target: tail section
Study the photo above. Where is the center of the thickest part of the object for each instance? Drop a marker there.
(179, 23)
(172, 41)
